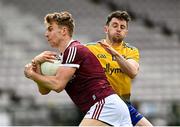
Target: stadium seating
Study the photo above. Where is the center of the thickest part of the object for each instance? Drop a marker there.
(21, 38)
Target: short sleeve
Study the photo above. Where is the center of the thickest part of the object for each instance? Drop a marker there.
(133, 53)
(73, 56)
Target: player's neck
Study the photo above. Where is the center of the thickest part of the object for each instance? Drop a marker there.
(63, 45)
(115, 44)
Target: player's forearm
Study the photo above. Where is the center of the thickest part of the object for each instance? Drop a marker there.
(43, 90)
(126, 66)
(49, 82)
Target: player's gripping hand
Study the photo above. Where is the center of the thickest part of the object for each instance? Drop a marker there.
(108, 48)
(28, 70)
(46, 56)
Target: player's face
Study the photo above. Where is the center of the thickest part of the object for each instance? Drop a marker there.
(116, 30)
(53, 34)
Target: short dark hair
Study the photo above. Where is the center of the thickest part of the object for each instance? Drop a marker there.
(122, 15)
(63, 18)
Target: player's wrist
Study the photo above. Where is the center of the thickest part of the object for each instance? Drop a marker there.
(35, 61)
(117, 55)
(33, 75)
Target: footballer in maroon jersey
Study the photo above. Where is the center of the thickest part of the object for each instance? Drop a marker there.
(81, 75)
(89, 83)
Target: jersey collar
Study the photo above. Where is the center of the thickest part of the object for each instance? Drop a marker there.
(69, 43)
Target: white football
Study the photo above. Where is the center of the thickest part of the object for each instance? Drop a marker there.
(50, 69)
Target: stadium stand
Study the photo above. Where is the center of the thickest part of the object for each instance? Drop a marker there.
(155, 89)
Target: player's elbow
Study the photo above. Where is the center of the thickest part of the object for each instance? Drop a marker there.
(58, 88)
(44, 92)
(133, 69)
(134, 72)
(132, 75)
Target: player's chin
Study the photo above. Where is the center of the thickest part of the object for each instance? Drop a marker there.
(52, 45)
(117, 39)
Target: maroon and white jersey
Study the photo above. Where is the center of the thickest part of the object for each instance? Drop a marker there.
(89, 83)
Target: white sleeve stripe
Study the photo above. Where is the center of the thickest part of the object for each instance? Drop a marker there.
(74, 54)
(71, 55)
(71, 65)
(68, 55)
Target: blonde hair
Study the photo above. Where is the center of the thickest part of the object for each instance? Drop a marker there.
(63, 18)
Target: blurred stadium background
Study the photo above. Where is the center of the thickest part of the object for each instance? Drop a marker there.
(155, 30)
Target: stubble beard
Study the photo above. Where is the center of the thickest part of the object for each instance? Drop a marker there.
(116, 39)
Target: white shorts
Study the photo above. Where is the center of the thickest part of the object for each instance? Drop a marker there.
(111, 110)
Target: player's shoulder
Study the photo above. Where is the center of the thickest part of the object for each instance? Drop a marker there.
(75, 50)
(76, 45)
(129, 46)
(91, 44)
(82, 47)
